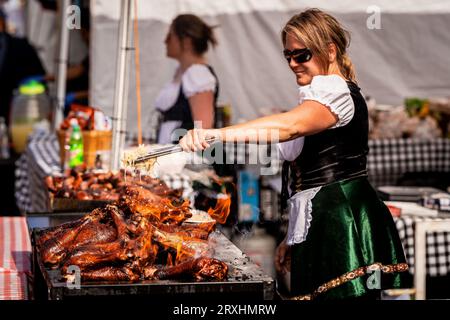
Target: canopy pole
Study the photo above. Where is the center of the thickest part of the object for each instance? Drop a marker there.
(62, 62)
(137, 72)
(121, 85)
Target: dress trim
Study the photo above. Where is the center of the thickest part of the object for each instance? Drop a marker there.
(400, 267)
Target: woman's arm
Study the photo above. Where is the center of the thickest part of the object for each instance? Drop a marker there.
(308, 118)
(202, 108)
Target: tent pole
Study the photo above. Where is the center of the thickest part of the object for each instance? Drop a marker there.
(121, 85)
(61, 74)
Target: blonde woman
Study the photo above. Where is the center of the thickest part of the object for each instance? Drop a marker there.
(342, 242)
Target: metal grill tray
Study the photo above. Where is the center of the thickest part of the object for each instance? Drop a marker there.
(245, 279)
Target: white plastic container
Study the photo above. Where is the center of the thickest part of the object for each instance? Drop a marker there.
(30, 106)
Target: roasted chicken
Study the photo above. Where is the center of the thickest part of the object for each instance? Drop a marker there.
(200, 269)
(132, 240)
(84, 185)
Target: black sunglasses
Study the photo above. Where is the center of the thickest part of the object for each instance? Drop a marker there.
(299, 55)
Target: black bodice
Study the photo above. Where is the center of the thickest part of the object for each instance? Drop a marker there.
(334, 154)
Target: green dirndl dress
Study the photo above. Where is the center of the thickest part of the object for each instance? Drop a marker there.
(352, 246)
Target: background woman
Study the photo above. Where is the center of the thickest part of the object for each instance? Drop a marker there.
(191, 95)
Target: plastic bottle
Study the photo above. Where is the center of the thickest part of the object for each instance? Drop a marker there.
(66, 154)
(76, 157)
(4, 140)
(30, 105)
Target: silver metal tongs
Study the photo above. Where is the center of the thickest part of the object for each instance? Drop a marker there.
(163, 151)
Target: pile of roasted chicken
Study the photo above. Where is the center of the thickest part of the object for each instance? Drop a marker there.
(87, 185)
(141, 236)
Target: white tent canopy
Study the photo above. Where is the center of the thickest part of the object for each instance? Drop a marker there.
(407, 56)
(164, 10)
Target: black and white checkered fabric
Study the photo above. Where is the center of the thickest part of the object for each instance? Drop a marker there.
(41, 159)
(389, 159)
(437, 245)
(180, 181)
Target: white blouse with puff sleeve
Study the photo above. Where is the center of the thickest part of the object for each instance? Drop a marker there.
(331, 91)
(196, 79)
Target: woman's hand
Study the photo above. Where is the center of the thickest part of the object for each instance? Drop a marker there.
(283, 258)
(196, 139)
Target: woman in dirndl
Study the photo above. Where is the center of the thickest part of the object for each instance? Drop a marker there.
(341, 242)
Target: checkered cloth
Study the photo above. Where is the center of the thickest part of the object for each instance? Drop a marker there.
(15, 258)
(13, 286)
(389, 159)
(41, 159)
(437, 245)
(180, 181)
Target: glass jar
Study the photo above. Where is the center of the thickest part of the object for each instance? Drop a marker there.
(30, 106)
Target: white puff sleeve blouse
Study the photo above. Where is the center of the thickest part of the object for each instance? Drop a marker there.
(196, 79)
(331, 91)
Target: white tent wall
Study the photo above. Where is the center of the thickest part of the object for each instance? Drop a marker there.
(42, 33)
(408, 56)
